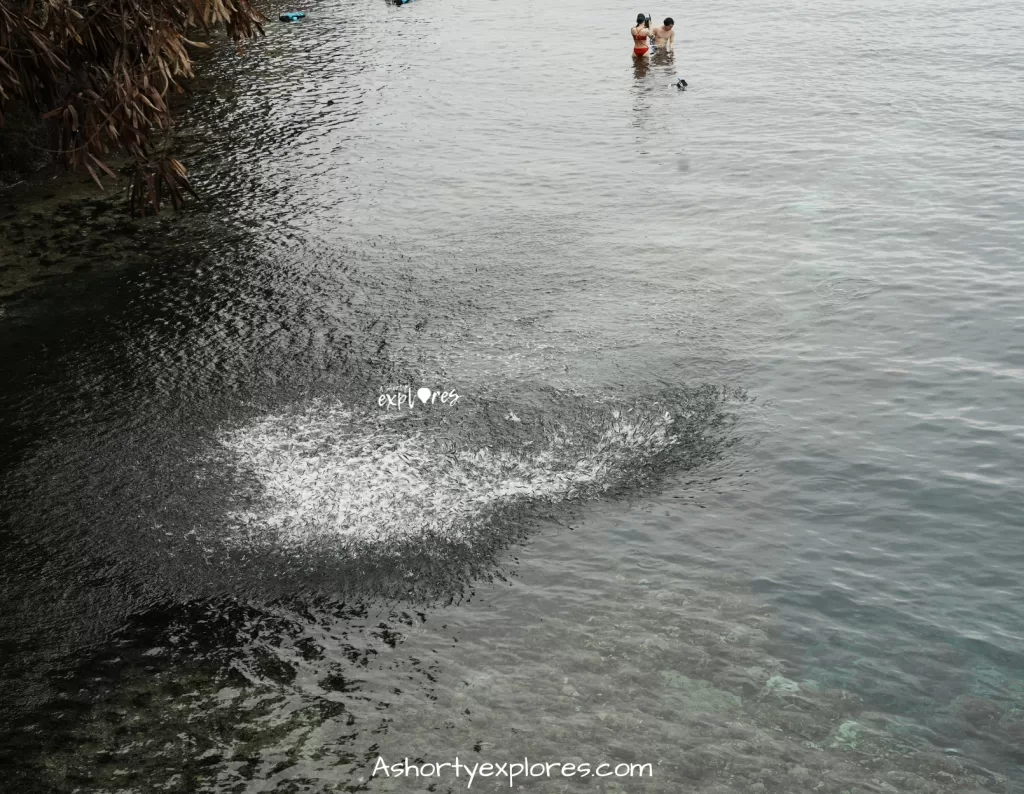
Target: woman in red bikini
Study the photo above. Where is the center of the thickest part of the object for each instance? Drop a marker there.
(640, 34)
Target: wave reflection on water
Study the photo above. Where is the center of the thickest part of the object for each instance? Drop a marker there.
(305, 694)
(829, 216)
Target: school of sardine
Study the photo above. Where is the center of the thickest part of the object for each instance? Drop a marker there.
(327, 469)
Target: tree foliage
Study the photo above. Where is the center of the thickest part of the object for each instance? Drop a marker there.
(101, 73)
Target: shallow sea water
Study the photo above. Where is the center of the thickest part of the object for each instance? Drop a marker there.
(733, 483)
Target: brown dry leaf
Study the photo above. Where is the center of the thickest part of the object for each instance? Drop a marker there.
(100, 72)
(103, 166)
(95, 178)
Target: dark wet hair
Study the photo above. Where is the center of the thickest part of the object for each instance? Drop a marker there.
(641, 18)
(669, 21)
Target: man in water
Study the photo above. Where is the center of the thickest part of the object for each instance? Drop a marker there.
(665, 36)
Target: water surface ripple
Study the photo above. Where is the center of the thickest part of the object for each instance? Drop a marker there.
(733, 483)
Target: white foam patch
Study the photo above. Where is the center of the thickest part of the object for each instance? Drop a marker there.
(328, 470)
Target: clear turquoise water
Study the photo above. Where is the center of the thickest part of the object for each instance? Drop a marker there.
(814, 587)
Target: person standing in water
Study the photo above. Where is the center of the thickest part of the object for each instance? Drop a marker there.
(665, 36)
(640, 32)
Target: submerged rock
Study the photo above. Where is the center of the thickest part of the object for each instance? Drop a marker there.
(779, 685)
(848, 734)
(693, 695)
(978, 711)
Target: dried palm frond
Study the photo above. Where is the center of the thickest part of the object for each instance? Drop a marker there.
(101, 71)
